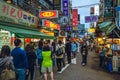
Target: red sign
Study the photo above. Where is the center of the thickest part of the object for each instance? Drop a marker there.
(50, 24)
(74, 17)
(48, 14)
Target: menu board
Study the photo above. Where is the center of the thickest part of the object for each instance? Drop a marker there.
(4, 38)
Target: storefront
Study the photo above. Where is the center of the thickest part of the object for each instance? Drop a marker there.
(15, 22)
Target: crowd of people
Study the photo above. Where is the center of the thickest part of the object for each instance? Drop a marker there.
(46, 56)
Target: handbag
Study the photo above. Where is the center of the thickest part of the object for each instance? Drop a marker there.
(8, 74)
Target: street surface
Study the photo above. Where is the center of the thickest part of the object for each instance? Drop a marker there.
(78, 72)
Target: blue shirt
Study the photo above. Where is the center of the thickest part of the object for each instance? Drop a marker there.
(74, 47)
(39, 53)
(19, 58)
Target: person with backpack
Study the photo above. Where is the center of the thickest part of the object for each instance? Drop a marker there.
(39, 56)
(6, 62)
(59, 55)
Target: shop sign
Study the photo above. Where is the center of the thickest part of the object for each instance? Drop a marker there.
(50, 24)
(47, 32)
(65, 7)
(89, 19)
(91, 30)
(57, 4)
(44, 4)
(92, 10)
(13, 15)
(49, 14)
(108, 12)
(74, 17)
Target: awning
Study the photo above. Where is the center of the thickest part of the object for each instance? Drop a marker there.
(104, 24)
(110, 28)
(26, 33)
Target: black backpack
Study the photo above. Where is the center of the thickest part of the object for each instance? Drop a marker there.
(59, 51)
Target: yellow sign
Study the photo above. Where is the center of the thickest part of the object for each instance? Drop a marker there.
(91, 30)
(47, 32)
(49, 14)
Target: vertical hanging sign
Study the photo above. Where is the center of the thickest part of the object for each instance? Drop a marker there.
(65, 7)
(74, 19)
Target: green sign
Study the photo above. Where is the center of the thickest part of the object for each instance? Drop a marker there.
(10, 14)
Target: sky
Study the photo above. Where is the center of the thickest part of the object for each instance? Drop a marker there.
(84, 11)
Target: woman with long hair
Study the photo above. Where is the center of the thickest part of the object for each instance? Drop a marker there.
(39, 56)
(6, 61)
(31, 56)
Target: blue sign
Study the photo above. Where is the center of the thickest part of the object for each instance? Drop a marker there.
(89, 19)
(65, 7)
(117, 8)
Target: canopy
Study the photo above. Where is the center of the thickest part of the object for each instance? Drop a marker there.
(110, 28)
(104, 24)
(26, 33)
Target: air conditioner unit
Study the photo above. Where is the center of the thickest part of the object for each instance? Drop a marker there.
(63, 33)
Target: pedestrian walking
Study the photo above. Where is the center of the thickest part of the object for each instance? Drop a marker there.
(59, 55)
(84, 53)
(68, 51)
(74, 48)
(102, 56)
(39, 56)
(6, 62)
(53, 52)
(20, 60)
(47, 61)
(31, 56)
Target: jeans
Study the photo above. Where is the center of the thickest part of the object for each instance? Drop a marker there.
(101, 61)
(20, 74)
(31, 73)
(40, 64)
(59, 63)
(84, 59)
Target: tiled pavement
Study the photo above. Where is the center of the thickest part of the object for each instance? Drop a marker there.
(89, 72)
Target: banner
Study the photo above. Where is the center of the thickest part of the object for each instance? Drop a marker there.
(65, 7)
(89, 19)
(74, 17)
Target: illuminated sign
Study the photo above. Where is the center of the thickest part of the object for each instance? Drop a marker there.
(47, 32)
(91, 30)
(49, 14)
(50, 24)
(75, 19)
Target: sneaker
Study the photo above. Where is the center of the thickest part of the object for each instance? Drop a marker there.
(83, 64)
(59, 72)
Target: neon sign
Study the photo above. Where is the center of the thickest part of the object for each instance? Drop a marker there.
(50, 24)
(49, 14)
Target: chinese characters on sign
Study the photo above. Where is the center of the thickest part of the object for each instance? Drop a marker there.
(50, 24)
(49, 14)
(109, 11)
(74, 17)
(13, 15)
(65, 7)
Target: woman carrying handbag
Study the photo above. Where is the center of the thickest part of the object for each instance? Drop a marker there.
(6, 64)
